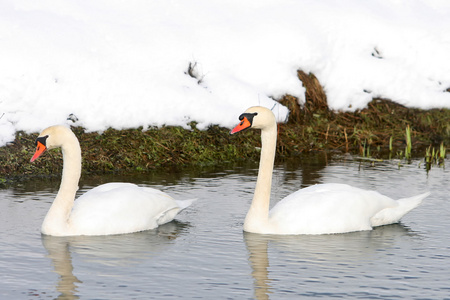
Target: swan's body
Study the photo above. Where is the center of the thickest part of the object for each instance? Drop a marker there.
(319, 209)
(112, 208)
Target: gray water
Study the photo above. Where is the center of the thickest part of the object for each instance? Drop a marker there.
(204, 254)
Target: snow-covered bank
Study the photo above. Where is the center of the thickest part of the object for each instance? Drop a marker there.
(124, 64)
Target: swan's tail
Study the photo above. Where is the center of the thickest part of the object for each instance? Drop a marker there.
(185, 203)
(394, 214)
(170, 214)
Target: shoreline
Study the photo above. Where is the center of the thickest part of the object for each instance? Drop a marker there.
(384, 129)
(375, 132)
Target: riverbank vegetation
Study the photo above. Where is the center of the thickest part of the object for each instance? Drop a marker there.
(384, 129)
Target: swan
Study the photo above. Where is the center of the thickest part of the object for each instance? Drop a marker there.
(111, 208)
(318, 209)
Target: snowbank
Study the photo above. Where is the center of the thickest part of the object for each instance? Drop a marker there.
(124, 64)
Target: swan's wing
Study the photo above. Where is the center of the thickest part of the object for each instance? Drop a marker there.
(121, 208)
(108, 187)
(328, 208)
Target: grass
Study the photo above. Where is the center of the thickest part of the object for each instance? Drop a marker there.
(379, 131)
(408, 148)
(380, 126)
(132, 150)
(435, 157)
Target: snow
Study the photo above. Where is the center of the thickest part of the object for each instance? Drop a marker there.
(124, 64)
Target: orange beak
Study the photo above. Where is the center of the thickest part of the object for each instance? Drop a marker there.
(39, 150)
(245, 123)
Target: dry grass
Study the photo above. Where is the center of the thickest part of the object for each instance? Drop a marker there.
(311, 128)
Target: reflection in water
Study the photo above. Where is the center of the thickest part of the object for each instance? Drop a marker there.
(304, 250)
(111, 250)
(211, 259)
(258, 257)
(311, 168)
(58, 251)
(299, 173)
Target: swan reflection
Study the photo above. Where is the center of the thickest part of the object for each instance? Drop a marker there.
(306, 250)
(111, 250)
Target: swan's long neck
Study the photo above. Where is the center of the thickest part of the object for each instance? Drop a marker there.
(56, 220)
(257, 218)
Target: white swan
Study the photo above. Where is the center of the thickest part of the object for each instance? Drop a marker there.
(319, 209)
(112, 208)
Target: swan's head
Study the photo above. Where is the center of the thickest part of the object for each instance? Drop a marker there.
(257, 117)
(51, 137)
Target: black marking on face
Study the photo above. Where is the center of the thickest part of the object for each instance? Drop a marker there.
(249, 117)
(42, 140)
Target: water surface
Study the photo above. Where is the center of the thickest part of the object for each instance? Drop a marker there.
(205, 255)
